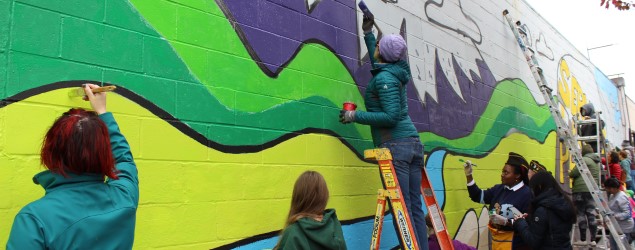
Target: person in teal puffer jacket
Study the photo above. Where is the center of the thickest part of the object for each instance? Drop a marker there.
(387, 114)
(91, 185)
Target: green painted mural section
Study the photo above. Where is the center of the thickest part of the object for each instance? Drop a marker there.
(236, 104)
(128, 52)
(5, 15)
(213, 51)
(503, 113)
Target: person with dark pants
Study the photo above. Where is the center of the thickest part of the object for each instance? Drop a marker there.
(387, 114)
(588, 112)
(625, 164)
(582, 198)
(620, 206)
(551, 214)
(511, 193)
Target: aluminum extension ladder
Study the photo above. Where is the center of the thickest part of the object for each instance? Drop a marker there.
(565, 135)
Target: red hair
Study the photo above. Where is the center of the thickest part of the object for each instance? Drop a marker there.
(78, 142)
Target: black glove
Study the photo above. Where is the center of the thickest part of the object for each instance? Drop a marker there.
(347, 116)
(367, 23)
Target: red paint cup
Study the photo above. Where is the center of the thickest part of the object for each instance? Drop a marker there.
(349, 106)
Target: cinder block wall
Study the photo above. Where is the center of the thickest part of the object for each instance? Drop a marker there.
(225, 103)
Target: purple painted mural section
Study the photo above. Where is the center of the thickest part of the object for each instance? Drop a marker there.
(452, 116)
(274, 30)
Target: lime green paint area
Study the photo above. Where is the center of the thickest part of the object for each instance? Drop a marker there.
(503, 113)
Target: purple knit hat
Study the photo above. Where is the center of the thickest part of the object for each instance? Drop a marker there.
(392, 47)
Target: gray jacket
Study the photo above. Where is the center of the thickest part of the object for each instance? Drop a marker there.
(620, 205)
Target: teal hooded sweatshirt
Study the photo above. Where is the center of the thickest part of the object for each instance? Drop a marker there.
(82, 211)
(386, 100)
(307, 234)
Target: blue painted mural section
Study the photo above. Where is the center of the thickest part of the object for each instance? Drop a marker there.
(357, 236)
(607, 87)
(434, 166)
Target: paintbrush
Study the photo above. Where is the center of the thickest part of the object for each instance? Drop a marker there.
(461, 160)
(79, 92)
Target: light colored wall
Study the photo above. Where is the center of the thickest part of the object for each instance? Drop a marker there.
(226, 102)
(630, 105)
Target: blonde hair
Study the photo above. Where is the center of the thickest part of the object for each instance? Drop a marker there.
(309, 198)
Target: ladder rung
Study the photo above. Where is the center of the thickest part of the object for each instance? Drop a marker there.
(588, 138)
(544, 86)
(589, 121)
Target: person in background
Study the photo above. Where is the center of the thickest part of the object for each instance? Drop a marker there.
(386, 112)
(588, 112)
(551, 214)
(535, 167)
(433, 241)
(512, 192)
(625, 165)
(309, 224)
(620, 205)
(91, 185)
(629, 149)
(615, 170)
(629, 194)
(582, 198)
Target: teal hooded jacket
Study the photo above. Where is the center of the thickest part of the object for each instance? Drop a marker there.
(307, 233)
(82, 211)
(386, 100)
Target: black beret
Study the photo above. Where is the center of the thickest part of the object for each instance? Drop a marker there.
(536, 166)
(517, 160)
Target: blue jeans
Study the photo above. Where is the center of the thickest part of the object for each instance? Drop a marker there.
(407, 157)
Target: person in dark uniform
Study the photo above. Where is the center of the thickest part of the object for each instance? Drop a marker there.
(512, 194)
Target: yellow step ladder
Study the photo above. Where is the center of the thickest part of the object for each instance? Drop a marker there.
(393, 194)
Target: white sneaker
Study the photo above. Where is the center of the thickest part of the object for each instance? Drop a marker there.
(593, 244)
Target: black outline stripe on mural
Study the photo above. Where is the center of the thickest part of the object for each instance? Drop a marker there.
(175, 122)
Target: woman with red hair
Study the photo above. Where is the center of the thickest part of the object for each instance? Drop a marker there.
(91, 185)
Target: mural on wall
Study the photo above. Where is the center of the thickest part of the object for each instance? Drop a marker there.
(226, 102)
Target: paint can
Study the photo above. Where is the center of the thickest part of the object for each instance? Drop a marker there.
(349, 106)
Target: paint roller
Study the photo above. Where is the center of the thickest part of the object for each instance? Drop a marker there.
(79, 92)
(366, 11)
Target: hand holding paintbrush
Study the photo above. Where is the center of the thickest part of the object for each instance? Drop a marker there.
(97, 96)
(81, 92)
